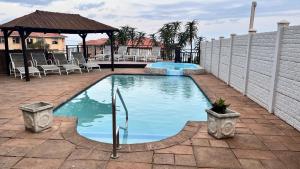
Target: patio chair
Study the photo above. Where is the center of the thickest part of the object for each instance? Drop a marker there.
(39, 61)
(155, 55)
(105, 55)
(142, 54)
(80, 60)
(134, 53)
(130, 56)
(17, 65)
(60, 60)
(122, 50)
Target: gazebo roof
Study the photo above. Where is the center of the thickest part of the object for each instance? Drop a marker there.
(53, 22)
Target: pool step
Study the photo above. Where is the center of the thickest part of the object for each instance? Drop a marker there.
(134, 138)
(173, 72)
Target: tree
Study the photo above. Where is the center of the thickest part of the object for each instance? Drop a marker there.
(140, 37)
(132, 35)
(191, 30)
(39, 44)
(182, 39)
(154, 41)
(122, 36)
(166, 34)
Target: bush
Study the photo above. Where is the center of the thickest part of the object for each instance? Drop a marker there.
(219, 106)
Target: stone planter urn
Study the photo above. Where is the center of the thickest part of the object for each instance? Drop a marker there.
(221, 125)
(37, 116)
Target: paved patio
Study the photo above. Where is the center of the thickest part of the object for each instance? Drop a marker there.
(262, 140)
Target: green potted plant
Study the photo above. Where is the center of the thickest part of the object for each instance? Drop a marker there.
(221, 120)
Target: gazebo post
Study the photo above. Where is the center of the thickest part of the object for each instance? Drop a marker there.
(83, 36)
(23, 36)
(111, 38)
(6, 34)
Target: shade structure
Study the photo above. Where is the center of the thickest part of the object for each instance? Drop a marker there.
(54, 22)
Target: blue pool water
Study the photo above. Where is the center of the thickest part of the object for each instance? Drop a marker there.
(174, 68)
(159, 107)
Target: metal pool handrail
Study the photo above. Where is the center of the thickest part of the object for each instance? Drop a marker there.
(115, 129)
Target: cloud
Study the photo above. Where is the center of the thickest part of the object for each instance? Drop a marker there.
(29, 2)
(87, 6)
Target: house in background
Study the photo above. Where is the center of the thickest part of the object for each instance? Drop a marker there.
(55, 41)
(96, 46)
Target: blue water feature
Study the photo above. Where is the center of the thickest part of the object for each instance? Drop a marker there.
(174, 69)
(159, 107)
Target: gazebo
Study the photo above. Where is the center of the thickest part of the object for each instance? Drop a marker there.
(53, 22)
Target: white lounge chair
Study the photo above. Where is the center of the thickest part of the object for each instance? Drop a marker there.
(80, 60)
(17, 65)
(39, 61)
(134, 53)
(155, 55)
(122, 50)
(130, 55)
(60, 60)
(105, 55)
(141, 55)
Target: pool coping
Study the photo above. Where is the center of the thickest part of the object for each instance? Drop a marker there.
(70, 133)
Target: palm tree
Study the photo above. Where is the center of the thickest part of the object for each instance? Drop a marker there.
(166, 34)
(176, 29)
(182, 39)
(122, 36)
(191, 29)
(140, 36)
(132, 35)
(154, 41)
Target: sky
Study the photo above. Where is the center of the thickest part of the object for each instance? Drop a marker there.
(215, 17)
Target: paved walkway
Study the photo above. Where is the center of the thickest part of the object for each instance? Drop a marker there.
(262, 140)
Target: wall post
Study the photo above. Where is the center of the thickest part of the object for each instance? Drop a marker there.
(246, 73)
(230, 57)
(211, 54)
(219, 61)
(280, 29)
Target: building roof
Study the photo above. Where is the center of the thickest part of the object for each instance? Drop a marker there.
(53, 22)
(37, 34)
(146, 43)
(96, 42)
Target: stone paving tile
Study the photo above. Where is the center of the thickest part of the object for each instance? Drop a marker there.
(215, 157)
(52, 149)
(246, 141)
(84, 164)
(218, 143)
(3, 139)
(140, 157)
(172, 167)
(163, 159)
(155, 166)
(127, 165)
(275, 146)
(250, 164)
(200, 142)
(290, 159)
(89, 154)
(272, 164)
(185, 160)
(8, 133)
(253, 154)
(176, 150)
(8, 162)
(265, 129)
(38, 163)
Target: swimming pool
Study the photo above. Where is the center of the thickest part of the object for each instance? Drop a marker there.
(171, 68)
(159, 107)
